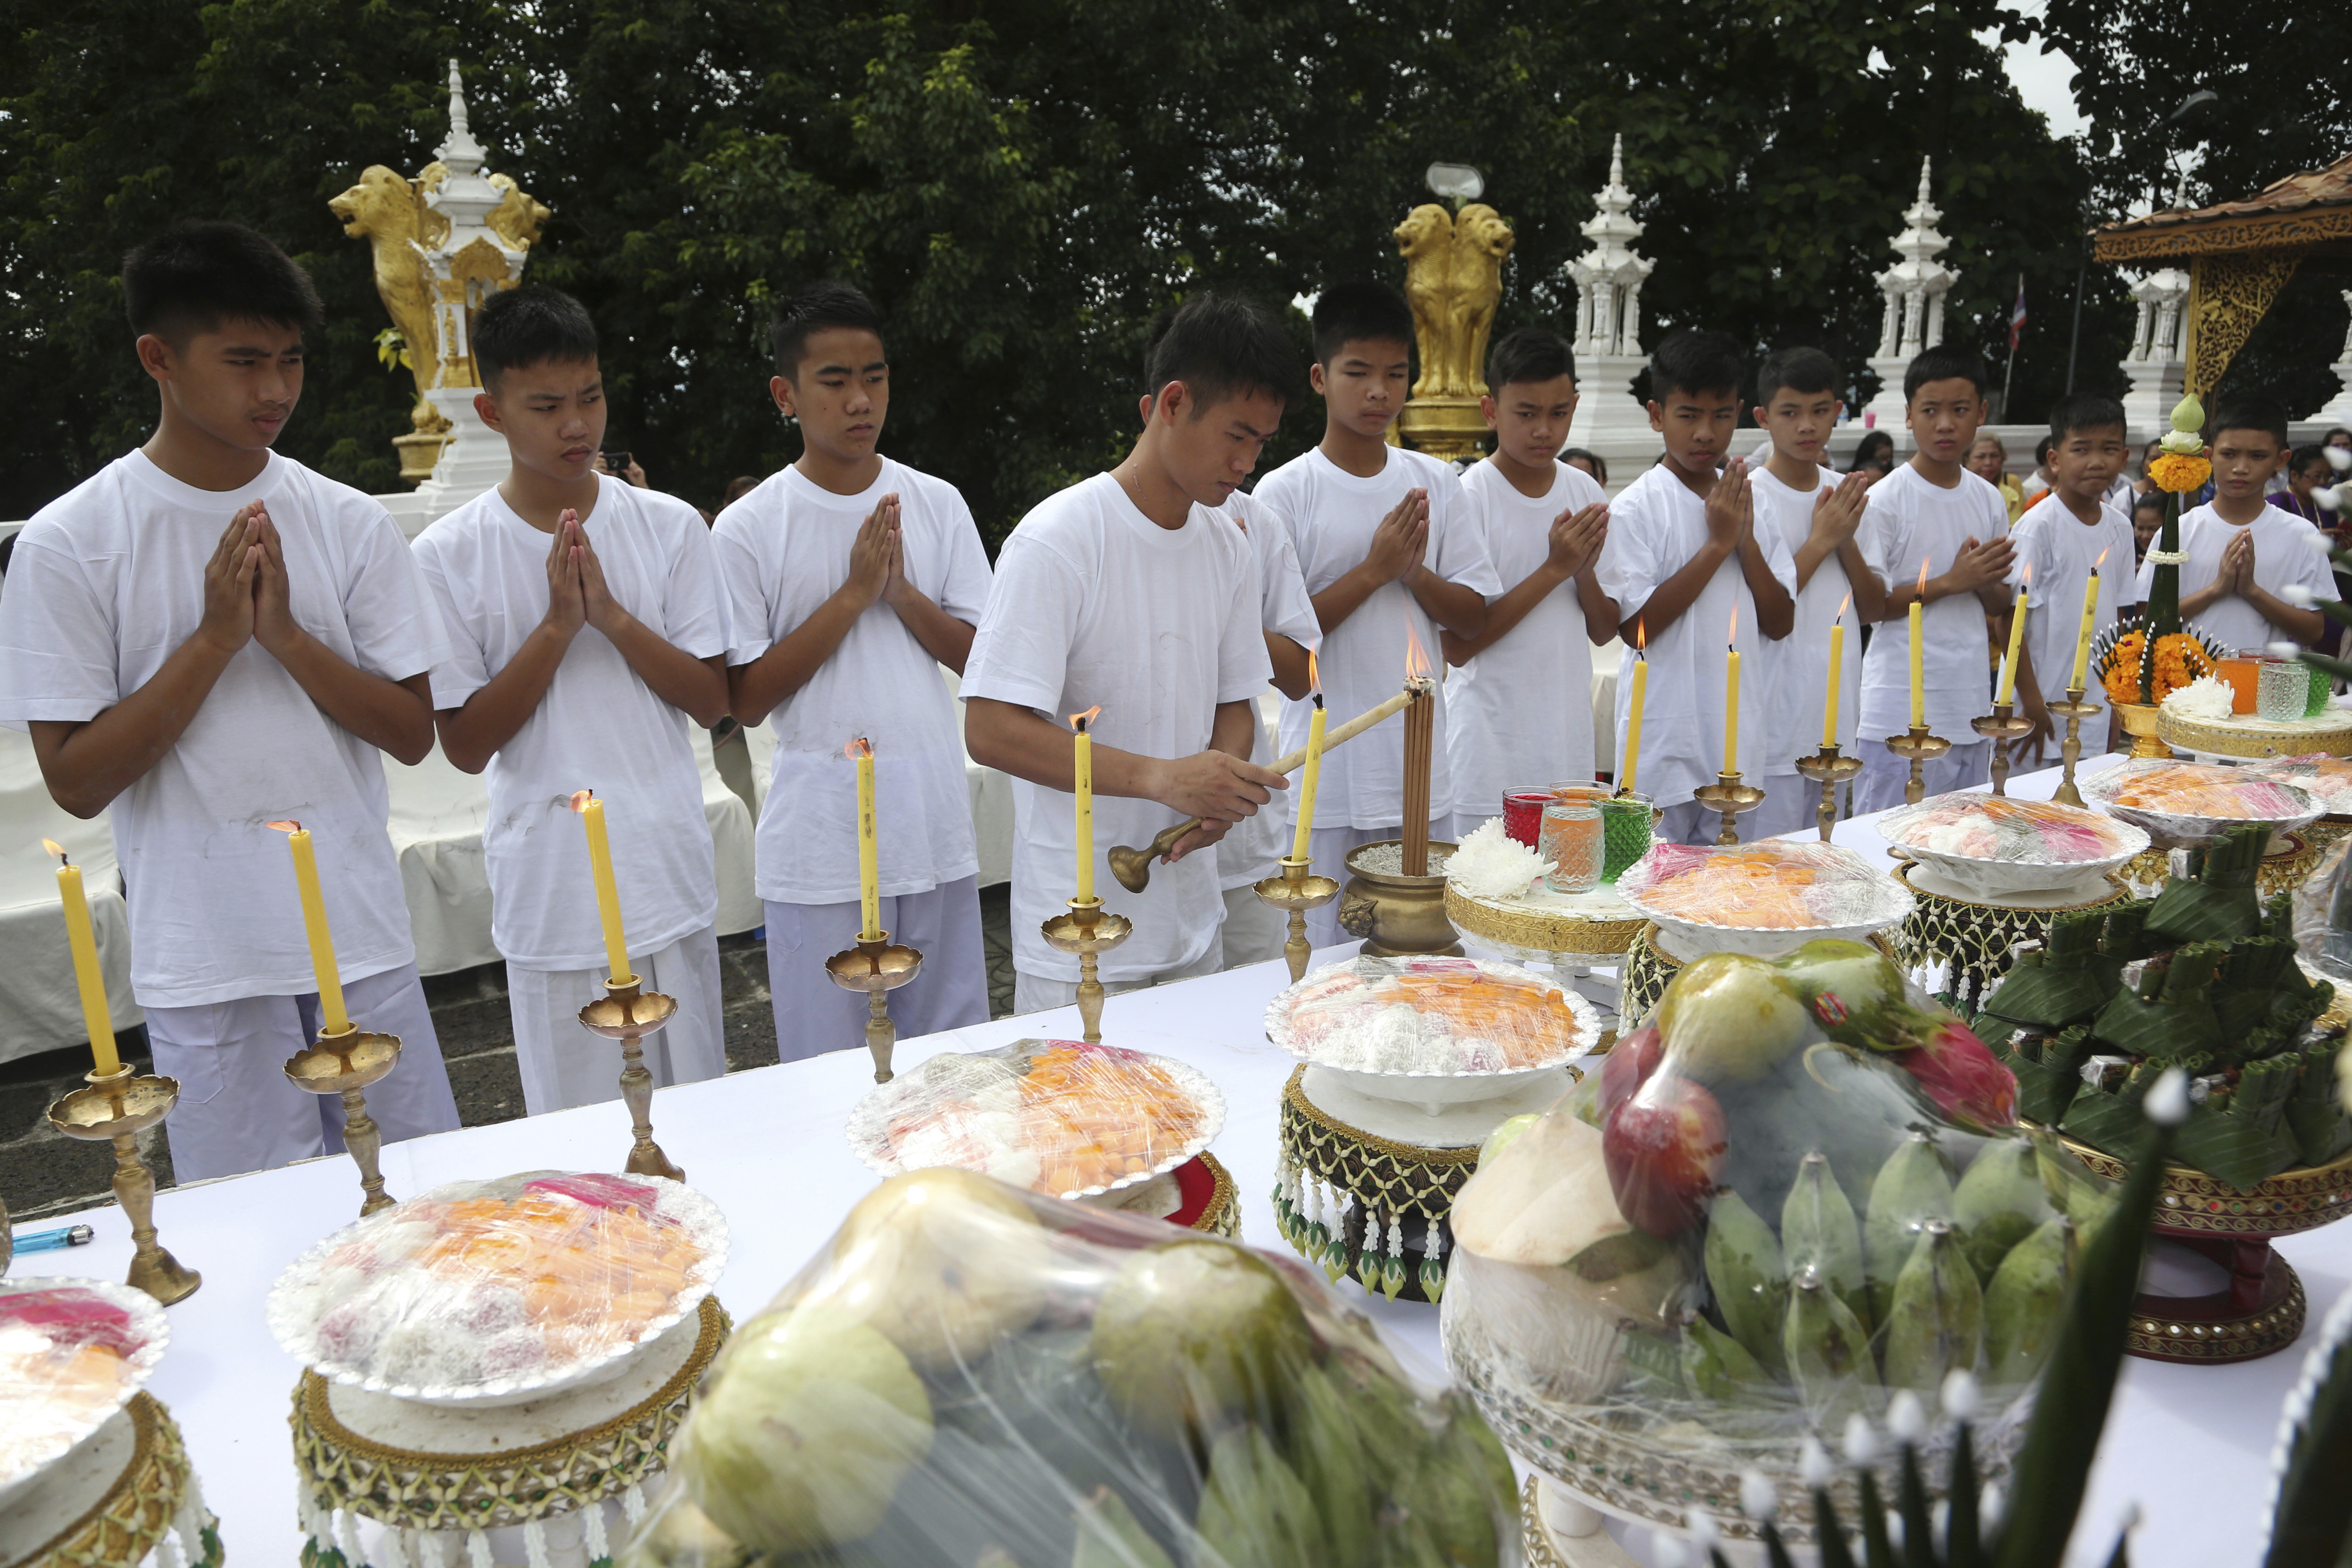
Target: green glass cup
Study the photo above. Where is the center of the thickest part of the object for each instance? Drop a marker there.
(2323, 688)
(1625, 822)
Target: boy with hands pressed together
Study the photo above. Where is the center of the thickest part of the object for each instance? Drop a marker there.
(2071, 532)
(2244, 555)
(580, 607)
(198, 685)
(1683, 558)
(854, 578)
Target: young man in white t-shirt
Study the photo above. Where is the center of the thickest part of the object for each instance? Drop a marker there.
(1135, 593)
(1683, 566)
(579, 607)
(1254, 930)
(1391, 556)
(1814, 515)
(2241, 557)
(1519, 696)
(2074, 531)
(854, 578)
(1931, 513)
(200, 685)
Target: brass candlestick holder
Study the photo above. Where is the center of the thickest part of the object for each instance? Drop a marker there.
(2002, 726)
(1088, 930)
(349, 1064)
(1730, 797)
(1919, 744)
(877, 968)
(1297, 892)
(628, 1015)
(2070, 751)
(119, 1106)
(1829, 770)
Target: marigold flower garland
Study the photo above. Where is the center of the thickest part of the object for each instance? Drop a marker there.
(2180, 659)
(2177, 475)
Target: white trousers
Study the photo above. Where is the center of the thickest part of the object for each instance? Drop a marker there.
(1328, 847)
(563, 1065)
(813, 1016)
(1254, 930)
(1034, 994)
(237, 1113)
(1789, 802)
(1884, 774)
(1689, 823)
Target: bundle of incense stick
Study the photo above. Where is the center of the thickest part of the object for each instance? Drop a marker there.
(1420, 728)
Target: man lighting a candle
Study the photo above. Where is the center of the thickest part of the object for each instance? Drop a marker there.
(198, 684)
(1135, 592)
(2074, 548)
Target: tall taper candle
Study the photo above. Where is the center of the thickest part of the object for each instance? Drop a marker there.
(82, 941)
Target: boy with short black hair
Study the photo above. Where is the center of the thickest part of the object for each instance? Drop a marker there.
(1814, 515)
(1391, 556)
(1686, 568)
(853, 578)
(1931, 514)
(2071, 532)
(1543, 524)
(2240, 556)
(201, 685)
(579, 606)
(1134, 592)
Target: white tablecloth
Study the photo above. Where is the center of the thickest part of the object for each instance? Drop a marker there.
(2188, 1445)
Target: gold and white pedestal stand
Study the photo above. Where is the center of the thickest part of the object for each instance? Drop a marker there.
(557, 1482)
(1573, 934)
(628, 1015)
(125, 1494)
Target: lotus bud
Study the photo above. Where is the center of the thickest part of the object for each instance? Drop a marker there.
(1991, 1502)
(1963, 1398)
(2188, 415)
(1813, 1461)
(1907, 1418)
(2338, 457)
(2298, 595)
(1860, 1441)
(1702, 1527)
(1758, 1501)
(2167, 1104)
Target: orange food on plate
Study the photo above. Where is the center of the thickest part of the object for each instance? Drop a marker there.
(2193, 789)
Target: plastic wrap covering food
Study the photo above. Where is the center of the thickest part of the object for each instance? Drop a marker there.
(72, 1353)
(2183, 805)
(1431, 1016)
(2327, 780)
(1779, 886)
(1057, 1117)
(1990, 844)
(1794, 1191)
(489, 1289)
(971, 1375)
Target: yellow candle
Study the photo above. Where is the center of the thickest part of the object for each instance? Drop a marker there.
(1731, 696)
(1307, 784)
(2016, 635)
(1084, 767)
(332, 1019)
(869, 874)
(608, 894)
(1918, 675)
(96, 1015)
(2090, 622)
(1837, 656)
(1634, 716)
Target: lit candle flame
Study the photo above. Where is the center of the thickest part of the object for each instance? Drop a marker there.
(56, 848)
(2027, 580)
(1080, 721)
(860, 747)
(1731, 637)
(1416, 657)
(1314, 676)
(581, 797)
(1923, 577)
(288, 826)
(1640, 637)
(1843, 605)
(2102, 561)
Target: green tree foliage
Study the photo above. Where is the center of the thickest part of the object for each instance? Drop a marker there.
(1020, 184)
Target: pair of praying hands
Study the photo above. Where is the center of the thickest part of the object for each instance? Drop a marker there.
(576, 592)
(877, 560)
(1575, 539)
(1401, 542)
(2236, 572)
(247, 595)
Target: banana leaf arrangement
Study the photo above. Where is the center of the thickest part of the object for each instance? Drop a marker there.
(2202, 978)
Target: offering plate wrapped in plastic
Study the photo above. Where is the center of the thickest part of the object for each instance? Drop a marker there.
(1793, 1193)
(972, 1373)
(72, 1353)
(1760, 899)
(1989, 848)
(2187, 805)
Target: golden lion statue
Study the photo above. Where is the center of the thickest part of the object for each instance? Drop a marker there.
(1453, 281)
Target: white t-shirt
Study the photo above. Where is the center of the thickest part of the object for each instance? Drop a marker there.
(784, 551)
(1798, 666)
(1655, 525)
(2063, 551)
(1246, 855)
(1332, 516)
(1096, 603)
(107, 582)
(2288, 550)
(1522, 712)
(1909, 519)
(487, 569)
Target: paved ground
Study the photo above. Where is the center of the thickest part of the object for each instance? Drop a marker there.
(43, 1173)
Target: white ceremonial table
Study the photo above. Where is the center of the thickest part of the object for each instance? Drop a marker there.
(2189, 1445)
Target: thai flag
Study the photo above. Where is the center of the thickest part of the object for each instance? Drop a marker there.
(2017, 315)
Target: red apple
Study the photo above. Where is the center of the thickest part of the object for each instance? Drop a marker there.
(1663, 1147)
(1627, 1067)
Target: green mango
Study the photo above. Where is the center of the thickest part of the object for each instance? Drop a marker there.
(1828, 1352)
(2021, 1305)
(1937, 1323)
(1327, 1452)
(1256, 1513)
(1999, 1202)
(1853, 991)
(1913, 1187)
(1819, 1231)
(1745, 1271)
(1108, 1536)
